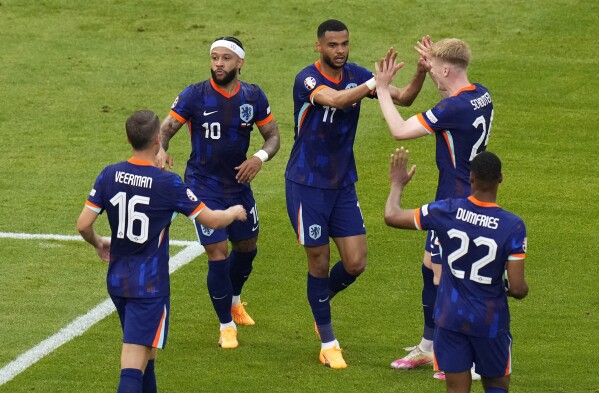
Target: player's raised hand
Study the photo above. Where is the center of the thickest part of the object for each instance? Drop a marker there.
(386, 69)
(423, 48)
(247, 171)
(162, 159)
(103, 249)
(398, 171)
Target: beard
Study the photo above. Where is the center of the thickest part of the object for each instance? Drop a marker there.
(229, 76)
(329, 61)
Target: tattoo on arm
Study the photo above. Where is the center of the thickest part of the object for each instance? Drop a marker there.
(272, 138)
(168, 129)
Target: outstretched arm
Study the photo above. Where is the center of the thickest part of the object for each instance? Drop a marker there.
(85, 226)
(400, 129)
(343, 98)
(248, 169)
(217, 219)
(168, 129)
(406, 95)
(395, 216)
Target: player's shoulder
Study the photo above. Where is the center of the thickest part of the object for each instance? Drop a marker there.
(250, 90)
(196, 88)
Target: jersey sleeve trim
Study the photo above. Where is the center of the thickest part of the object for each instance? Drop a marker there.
(197, 211)
(267, 120)
(417, 219)
(420, 118)
(93, 207)
(319, 88)
(516, 257)
(177, 116)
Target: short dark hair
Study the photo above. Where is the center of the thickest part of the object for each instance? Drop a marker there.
(142, 126)
(486, 167)
(330, 25)
(230, 39)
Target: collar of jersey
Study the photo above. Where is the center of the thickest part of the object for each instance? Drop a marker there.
(222, 92)
(336, 81)
(481, 203)
(135, 161)
(471, 87)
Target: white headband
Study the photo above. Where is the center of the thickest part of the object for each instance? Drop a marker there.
(229, 45)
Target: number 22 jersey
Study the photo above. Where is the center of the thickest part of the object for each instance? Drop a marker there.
(477, 240)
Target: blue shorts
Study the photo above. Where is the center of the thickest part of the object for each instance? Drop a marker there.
(317, 213)
(144, 320)
(455, 353)
(237, 230)
(432, 246)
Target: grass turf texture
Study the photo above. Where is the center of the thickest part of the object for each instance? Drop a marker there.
(73, 72)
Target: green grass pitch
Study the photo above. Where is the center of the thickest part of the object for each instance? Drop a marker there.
(73, 71)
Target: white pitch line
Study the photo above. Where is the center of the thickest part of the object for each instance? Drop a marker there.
(81, 324)
(46, 236)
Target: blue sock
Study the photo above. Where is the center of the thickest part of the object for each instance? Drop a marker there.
(130, 381)
(495, 390)
(149, 379)
(429, 297)
(241, 267)
(339, 279)
(318, 297)
(220, 288)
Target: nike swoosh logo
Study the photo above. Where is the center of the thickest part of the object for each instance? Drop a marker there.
(323, 300)
(434, 255)
(209, 113)
(218, 298)
(254, 228)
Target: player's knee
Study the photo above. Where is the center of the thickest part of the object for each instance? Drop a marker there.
(356, 267)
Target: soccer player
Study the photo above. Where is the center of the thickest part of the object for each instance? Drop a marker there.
(140, 201)
(321, 172)
(479, 243)
(461, 123)
(221, 114)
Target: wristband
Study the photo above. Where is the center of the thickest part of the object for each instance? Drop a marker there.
(262, 155)
(371, 83)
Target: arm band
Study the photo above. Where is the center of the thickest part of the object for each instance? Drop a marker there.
(262, 155)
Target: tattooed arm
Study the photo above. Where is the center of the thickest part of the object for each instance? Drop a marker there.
(168, 129)
(248, 169)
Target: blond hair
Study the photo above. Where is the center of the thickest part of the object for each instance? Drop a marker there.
(453, 51)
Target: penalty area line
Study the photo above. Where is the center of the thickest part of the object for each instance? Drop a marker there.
(83, 323)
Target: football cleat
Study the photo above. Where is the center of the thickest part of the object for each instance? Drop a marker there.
(439, 375)
(332, 358)
(228, 338)
(415, 358)
(240, 316)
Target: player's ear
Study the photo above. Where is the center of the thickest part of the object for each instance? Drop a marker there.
(500, 180)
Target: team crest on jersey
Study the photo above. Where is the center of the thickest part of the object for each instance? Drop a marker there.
(246, 112)
(207, 231)
(351, 85)
(315, 231)
(175, 102)
(191, 196)
(310, 83)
